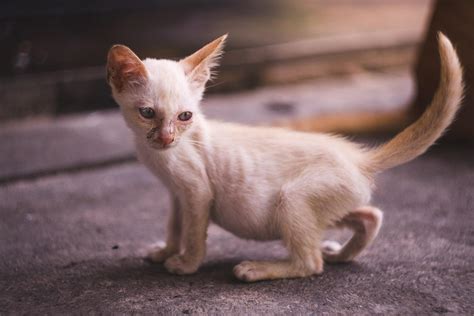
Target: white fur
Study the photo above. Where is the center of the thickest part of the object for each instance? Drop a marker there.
(258, 183)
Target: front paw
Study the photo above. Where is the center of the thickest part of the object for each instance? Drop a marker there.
(180, 264)
(248, 271)
(160, 254)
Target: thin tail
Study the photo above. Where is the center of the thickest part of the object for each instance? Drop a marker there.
(418, 137)
(365, 222)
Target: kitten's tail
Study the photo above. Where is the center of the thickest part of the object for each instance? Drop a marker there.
(418, 137)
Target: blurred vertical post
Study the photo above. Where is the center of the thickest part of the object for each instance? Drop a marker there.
(456, 20)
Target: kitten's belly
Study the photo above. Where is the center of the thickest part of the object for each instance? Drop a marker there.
(249, 217)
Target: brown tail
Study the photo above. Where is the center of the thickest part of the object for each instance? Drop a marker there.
(418, 137)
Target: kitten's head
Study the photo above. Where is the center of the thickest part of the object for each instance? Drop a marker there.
(160, 98)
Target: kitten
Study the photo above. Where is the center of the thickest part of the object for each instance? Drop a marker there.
(259, 183)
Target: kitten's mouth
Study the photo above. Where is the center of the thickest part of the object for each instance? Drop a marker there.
(160, 146)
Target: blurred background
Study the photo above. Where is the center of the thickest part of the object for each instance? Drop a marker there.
(53, 52)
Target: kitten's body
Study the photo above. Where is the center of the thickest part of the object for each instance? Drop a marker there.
(243, 178)
(259, 183)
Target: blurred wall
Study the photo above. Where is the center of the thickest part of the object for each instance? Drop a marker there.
(53, 52)
(456, 20)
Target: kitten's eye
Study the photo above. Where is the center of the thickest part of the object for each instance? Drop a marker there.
(147, 112)
(185, 116)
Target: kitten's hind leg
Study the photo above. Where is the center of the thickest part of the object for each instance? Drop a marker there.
(301, 233)
(160, 254)
(365, 222)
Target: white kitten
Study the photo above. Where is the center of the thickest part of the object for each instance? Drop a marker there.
(259, 183)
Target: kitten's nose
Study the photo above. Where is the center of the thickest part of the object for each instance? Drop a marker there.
(164, 135)
(166, 139)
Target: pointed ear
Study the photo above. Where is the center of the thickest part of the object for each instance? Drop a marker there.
(198, 66)
(124, 68)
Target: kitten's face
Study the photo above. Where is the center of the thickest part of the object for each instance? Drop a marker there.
(162, 107)
(160, 99)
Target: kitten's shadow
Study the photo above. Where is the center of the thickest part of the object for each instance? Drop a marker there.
(131, 269)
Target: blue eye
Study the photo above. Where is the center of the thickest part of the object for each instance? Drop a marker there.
(185, 116)
(147, 112)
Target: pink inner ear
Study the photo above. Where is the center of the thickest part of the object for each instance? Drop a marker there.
(129, 69)
(207, 54)
(124, 68)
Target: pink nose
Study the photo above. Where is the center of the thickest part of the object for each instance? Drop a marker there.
(166, 139)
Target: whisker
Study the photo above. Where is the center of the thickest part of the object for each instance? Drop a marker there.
(196, 143)
(216, 84)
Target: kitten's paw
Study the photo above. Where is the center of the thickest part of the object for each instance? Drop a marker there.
(159, 254)
(180, 264)
(249, 271)
(331, 246)
(332, 251)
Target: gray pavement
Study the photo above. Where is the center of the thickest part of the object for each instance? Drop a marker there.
(72, 240)
(73, 243)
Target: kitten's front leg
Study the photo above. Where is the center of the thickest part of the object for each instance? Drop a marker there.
(195, 220)
(173, 240)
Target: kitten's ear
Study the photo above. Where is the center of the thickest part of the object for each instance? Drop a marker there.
(198, 66)
(124, 68)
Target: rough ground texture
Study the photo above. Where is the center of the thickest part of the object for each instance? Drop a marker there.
(73, 241)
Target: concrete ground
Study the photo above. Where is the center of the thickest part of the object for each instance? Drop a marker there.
(77, 212)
